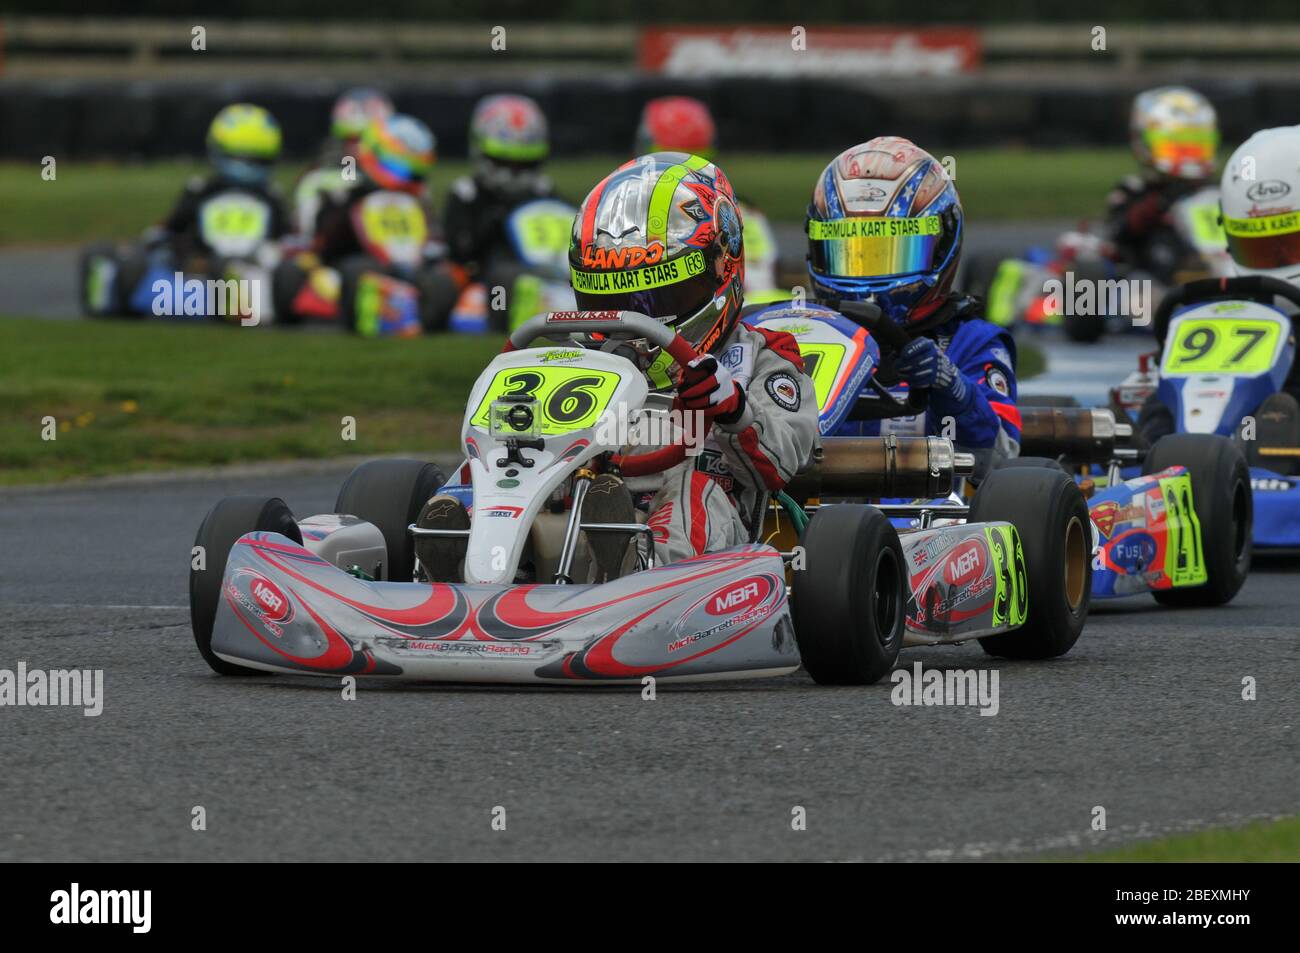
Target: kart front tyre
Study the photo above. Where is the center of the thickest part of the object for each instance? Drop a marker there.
(1051, 518)
(225, 523)
(388, 494)
(1225, 510)
(848, 597)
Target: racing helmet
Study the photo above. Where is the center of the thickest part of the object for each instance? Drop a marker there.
(1174, 132)
(243, 142)
(676, 124)
(508, 141)
(397, 153)
(1260, 196)
(885, 224)
(661, 235)
(355, 109)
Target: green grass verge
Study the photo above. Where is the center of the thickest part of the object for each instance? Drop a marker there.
(130, 396)
(1030, 361)
(1261, 842)
(109, 200)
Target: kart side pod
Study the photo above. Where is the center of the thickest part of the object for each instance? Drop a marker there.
(1080, 434)
(878, 467)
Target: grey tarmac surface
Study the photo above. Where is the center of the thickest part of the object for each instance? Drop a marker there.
(1143, 718)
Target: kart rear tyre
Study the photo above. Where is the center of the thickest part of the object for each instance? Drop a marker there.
(849, 599)
(388, 494)
(1020, 463)
(230, 519)
(1051, 518)
(1224, 508)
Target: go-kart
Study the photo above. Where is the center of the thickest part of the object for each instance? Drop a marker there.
(225, 276)
(531, 267)
(335, 594)
(1147, 533)
(1191, 245)
(385, 291)
(1226, 352)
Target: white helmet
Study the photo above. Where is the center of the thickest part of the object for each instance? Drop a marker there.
(1174, 130)
(1260, 195)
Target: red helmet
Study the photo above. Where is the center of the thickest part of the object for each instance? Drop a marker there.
(676, 124)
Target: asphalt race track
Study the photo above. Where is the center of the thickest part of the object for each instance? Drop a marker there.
(1144, 718)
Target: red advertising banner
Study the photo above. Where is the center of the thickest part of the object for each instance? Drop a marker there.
(816, 51)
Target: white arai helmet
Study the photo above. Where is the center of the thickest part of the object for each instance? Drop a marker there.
(1260, 196)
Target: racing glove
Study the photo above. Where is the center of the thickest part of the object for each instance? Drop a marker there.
(708, 388)
(924, 366)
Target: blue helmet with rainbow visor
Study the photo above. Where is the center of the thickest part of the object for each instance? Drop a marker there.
(885, 224)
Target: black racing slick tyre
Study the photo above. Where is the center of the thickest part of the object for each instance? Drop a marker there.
(1019, 463)
(388, 494)
(849, 596)
(1225, 510)
(225, 523)
(1051, 519)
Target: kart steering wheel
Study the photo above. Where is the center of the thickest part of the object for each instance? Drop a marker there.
(1261, 288)
(617, 324)
(889, 336)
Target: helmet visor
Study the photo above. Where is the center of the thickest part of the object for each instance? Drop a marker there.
(669, 290)
(874, 247)
(1270, 241)
(1176, 148)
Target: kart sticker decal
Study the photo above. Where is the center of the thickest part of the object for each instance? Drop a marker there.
(1240, 347)
(1184, 555)
(784, 390)
(639, 279)
(566, 398)
(1011, 599)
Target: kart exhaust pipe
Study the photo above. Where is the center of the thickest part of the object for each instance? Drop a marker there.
(888, 466)
(1080, 434)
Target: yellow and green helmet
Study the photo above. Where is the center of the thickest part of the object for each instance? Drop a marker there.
(245, 131)
(243, 142)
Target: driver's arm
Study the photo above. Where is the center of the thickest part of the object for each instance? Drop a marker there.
(986, 416)
(777, 430)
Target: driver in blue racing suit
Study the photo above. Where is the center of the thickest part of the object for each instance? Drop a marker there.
(885, 226)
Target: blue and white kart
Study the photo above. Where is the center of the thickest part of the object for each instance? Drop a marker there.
(1226, 352)
(233, 264)
(1148, 534)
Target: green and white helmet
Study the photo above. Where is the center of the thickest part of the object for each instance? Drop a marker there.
(661, 235)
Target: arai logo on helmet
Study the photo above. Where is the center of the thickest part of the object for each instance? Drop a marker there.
(966, 562)
(1268, 190)
(738, 598)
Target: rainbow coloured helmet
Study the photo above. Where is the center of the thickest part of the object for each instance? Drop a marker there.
(661, 235)
(885, 223)
(397, 153)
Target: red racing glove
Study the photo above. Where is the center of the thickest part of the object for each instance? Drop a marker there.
(708, 388)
